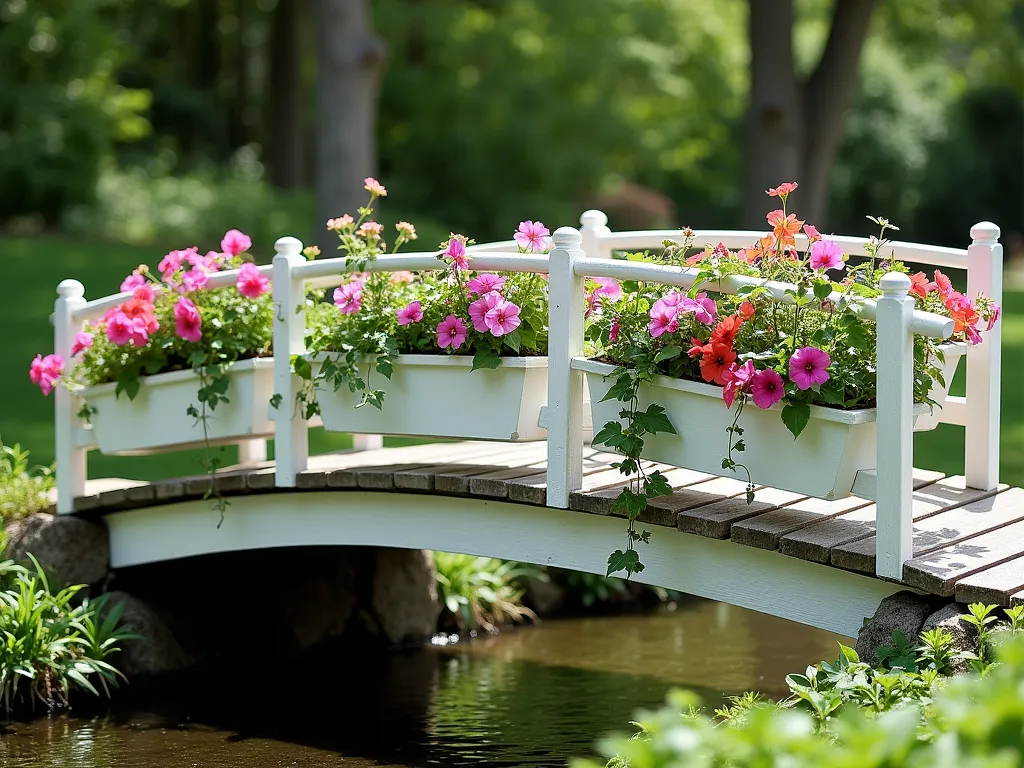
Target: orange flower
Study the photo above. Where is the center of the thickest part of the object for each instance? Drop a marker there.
(725, 332)
(919, 285)
(784, 228)
(717, 357)
(747, 310)
(697, 349)
(782, 190)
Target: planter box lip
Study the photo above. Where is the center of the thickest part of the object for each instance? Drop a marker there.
(854, 416)
(455, 361)
(171, 377)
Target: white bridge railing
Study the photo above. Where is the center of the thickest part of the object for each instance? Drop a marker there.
(586, 253)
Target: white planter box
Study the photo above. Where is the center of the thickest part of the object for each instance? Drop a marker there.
(823, 462)
(954, 352)
(157, 419)
(439, 396)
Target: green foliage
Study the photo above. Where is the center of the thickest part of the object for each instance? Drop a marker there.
(24, 489)
(61, 107)
(480, 592)
(592, 589)
(49, 645)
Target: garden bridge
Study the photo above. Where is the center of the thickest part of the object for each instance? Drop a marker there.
(826, 563)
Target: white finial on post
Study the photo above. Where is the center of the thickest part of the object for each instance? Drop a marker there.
(984, 363)
(593, 227)
(894, 466)
(565, 385)
(70, 460)
(291, 438)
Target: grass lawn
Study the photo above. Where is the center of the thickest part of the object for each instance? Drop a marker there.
(35, 265)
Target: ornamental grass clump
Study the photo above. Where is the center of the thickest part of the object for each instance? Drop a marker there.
(813, 349)
(24, 489)
(373, 317)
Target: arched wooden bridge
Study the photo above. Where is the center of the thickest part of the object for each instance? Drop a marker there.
(827, 563)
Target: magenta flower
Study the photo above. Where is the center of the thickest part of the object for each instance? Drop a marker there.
(767, 388)
(172, 262)
(808, 367)
(235, 242)
(826, 254)
(132, 282)
(993, 318)
(502, 318)
(613, 332)
(187, 320)
(533, 236)
(485, 283)
(703, 308)
(120, 328)
(145, 293)
(608, 287)
(667, 304)
(83, 340)
(973, 337)
(46, 371)
(349, 297)
(411, 314)
(456, 251)
(451, 332)
(194, 279)
(478, 310)
(737, 379)
(251, 282)
(663, 320)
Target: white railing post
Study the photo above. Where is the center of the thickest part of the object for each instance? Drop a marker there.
(70, 460)
(895, 423)
(594, 226)
(291, 438)
(981, 443)
(367, 442)
(565, 385)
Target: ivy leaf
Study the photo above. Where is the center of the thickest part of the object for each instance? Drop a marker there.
(610, 435)
(653, 420)
(275, 400)
(657, 484)
(129, 385)
(822, 289)
(384, 366)
(486, 357)
(668, 353)
(302, 368)
(628, 561)
(622, 389)
(795, 416)
(740, 446)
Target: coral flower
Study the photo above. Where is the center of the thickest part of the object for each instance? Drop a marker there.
(812, 232)
(943, 284)
(340, 223)
(808, 367)
(767, 388)
(83, 340)
(533, 236)
(46, 371)
(251, 282)
(737, 379)
(187, 320)
(747, 310)
(784, 227)
(663, 320)
(962, 310)
(451, 332)
(132, 282)
(482, 284)
(502, 318)
(919, 285)
(697, 349)
(826, 254)
(145, 293)
(235, 242)
(349, 297)
(782, 190)
(374, 187)
(478, 310)
(413, 313)
(725, 332)
(717, 357)
(456, 251)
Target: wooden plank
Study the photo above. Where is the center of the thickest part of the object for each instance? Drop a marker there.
(495, 484)
(996, 585)
(815, 542)
(939, 570)
(457, 481)
(715, 520)
(940, 529)
(765, 531)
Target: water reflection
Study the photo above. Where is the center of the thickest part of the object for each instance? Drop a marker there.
(533, 696)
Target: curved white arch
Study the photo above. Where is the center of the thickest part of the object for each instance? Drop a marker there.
(764, 581)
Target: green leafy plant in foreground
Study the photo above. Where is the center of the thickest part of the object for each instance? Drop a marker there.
(49, 645)
(24, 489)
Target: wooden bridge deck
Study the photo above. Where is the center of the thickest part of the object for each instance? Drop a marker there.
(968, 544)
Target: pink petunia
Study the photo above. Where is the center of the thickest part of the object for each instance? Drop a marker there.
(132, 282)
(943, 284)
(235, 242)
(451, 332)
(349, 297)
(145, 293)
(194, 279)
(703, 308)
(533, 236)
(251, 282)
(812, 232)
(456, 251)
(737, 379)
(83, 340)
(478, 310)
(46, 372)
(120, 328)
(668, 304)
(663, 320)
(826, 254)
(172, 262)
(767, 388)
(608, 287)
(483, 284)
(613, 331)
(374, 187)
(502, 318)
(413, 313)
(808, 367)
(993, 317)
(187, 320)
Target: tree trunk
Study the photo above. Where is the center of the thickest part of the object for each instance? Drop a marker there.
(287, 97)
(350, 61)
(794, 130)
(774, 135)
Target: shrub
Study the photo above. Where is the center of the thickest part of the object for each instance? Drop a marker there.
(24, 489)
(48, 645)
(480, 592)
